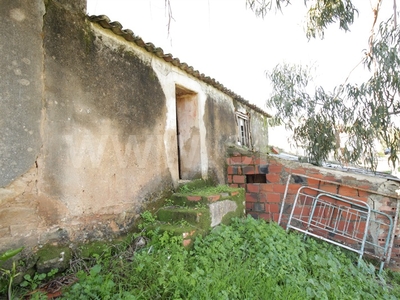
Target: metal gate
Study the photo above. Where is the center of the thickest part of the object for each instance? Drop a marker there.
(342, 221)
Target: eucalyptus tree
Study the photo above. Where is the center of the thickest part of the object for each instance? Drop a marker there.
(320, 13)
(364, 113)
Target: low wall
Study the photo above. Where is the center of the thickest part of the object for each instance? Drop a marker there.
(266, 178)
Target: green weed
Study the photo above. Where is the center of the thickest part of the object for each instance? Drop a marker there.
(205, 190)
(168, 202)
(200, 205)
(33, 282)
(249, 259)
(183, 223)
(9, 274)
(185, 189)
(147, 219)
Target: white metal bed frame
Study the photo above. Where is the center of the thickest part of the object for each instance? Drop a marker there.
(342, 221)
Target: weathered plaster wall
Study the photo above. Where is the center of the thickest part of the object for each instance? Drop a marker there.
(21, 87)
(221, 130)
(89, 126)
(21, 100)
(259, 132)
(86, 118)
(105, 111)
(258, 127)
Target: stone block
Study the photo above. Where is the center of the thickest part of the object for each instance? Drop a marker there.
(219, 209)
(53, 258)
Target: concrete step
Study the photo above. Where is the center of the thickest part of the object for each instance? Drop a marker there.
(194, 198)
(196, 210)
(195, 216)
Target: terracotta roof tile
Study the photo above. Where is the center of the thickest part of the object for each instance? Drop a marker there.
(128, 35)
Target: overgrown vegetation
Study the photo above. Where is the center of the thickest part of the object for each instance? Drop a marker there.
(249, 259)
(204, 190)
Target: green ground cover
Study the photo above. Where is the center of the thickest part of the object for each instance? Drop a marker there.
(249, 259)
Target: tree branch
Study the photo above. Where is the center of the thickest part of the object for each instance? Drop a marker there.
(168, 10)
(375, 10)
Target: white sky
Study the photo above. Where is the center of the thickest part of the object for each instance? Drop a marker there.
(226, 41)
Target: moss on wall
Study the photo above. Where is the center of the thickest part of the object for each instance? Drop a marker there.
(104, 120)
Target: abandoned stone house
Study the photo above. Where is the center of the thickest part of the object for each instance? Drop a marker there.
(96, 124)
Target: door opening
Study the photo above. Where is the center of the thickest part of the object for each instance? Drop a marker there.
(188, 133)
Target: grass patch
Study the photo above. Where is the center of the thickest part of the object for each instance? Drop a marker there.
(249, 259)
(205, 190)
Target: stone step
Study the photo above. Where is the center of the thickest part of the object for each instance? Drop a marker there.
(197, 209)
(199, 217)
(194, 199)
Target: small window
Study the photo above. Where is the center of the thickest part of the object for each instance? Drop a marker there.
(242, 121)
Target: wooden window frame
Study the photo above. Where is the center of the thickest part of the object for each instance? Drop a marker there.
(243, 127)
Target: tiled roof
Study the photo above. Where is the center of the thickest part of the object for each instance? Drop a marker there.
(128, 35)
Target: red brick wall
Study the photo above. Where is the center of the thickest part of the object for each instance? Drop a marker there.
(264, 200)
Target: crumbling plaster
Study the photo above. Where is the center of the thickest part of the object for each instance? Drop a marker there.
(89, 126)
